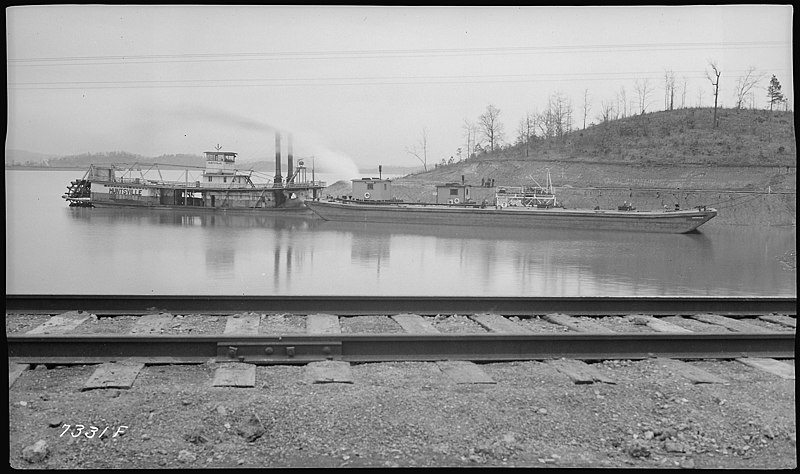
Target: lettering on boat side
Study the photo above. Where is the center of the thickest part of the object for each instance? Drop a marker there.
(128, 191)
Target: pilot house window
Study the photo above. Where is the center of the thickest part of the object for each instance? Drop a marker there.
(454, 192)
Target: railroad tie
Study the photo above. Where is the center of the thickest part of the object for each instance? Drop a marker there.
(780, 319)
(16, 369)
(579, 372)
(776, 367)
(464, 372)
(729, 323)
(415, 324)
(245, 323)
(329, 371)
(62, 323)
(576, 324)
(152, 323)
(695, 374)
(114, 375)
(661, 325)
(235, 375)
(323, 324)
(499, 324)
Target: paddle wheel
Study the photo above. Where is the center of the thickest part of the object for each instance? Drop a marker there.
(79, 193)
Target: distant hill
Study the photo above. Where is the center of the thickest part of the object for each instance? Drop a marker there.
(655, 159)
(28, 158)
(658, 146)
(85, 159)
(677, 137)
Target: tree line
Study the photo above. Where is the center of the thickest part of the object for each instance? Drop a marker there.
(487, 133)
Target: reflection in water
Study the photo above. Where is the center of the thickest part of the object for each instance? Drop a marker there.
(221, 243)
(220, 261)
(191, 218)
(282, 273)
(540, 262)
(368, 250)
(51, 248)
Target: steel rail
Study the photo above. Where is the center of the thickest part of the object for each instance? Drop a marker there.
(353, 305)
(265, 350)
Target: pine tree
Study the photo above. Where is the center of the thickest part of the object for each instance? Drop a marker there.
(774, 92)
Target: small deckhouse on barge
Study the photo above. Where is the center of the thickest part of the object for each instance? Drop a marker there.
(220, 187)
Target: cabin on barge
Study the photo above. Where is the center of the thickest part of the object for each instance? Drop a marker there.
(221, 186)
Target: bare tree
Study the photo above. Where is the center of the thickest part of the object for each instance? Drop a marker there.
(546, 122)
(490, 125)
(470, 133)
(669, 90)
(527, 129)
(586, 106)
(556, 120)
(643, 91)
(683, 91)
(622, 103)
(420, 151)
(715, 83)
(606, 111)
(745, 83)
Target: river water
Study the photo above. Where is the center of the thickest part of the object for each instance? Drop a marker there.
(52, 248)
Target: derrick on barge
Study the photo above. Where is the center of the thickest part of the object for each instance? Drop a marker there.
(220, 187)
(529, 207)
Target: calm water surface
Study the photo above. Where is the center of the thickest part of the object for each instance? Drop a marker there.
(54, 249)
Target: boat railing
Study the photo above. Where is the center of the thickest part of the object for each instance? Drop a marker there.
(308, 183)
(196, 184)
(131, 180)
(528, 195)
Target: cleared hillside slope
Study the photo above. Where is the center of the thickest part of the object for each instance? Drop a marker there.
(746, 167)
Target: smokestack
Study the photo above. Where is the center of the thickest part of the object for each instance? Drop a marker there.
(278, 177)
(290, 171)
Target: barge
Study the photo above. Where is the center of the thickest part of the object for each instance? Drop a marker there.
(220, 186)
(530, 207)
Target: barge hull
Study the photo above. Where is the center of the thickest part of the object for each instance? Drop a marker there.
(675, 222)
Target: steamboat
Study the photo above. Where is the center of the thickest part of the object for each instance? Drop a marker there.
(529, 207)
(220, 186)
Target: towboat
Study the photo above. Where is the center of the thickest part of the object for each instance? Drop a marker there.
(514, 206)
(220, 186)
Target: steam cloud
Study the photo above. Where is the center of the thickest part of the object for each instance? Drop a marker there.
(334, 165)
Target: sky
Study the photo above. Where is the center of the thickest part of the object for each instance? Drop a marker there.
(359, 86)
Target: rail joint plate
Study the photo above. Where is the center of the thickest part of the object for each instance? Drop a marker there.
(278, 351)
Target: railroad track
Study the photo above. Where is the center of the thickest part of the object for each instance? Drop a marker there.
(720, 328)
(353, 305)
(126, 348)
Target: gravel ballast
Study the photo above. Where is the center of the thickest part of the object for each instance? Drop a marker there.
(403, 414)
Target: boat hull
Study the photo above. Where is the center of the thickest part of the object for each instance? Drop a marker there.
(132, 195)
(673, 222)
